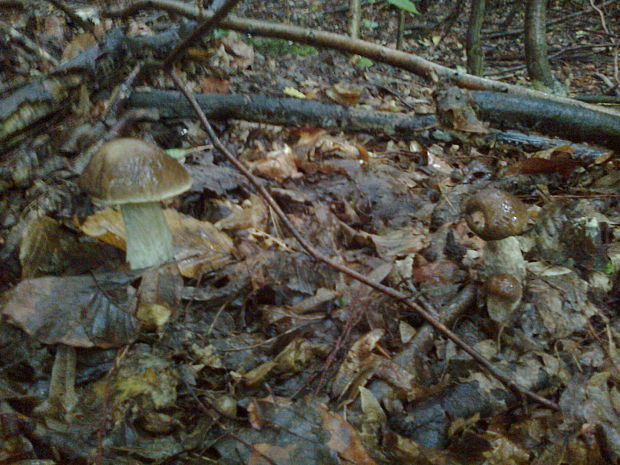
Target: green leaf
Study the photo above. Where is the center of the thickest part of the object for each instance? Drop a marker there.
(370, 24)
(610, 269)
(219, 33)
(406, 5)
(364, 62)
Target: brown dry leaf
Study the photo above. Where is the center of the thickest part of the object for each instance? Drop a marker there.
(455, 109)
(285, 454)
(138, 29)
(561, 301)
(562, 166)
(54, 28)
(355, 364)
(198, 245)
(503, 451)
(392, 105)
(252, 213)
(442, 272)
(79, 43)
(344, 439)
(44, 247)
(146, 379)
(78, 311)
(47, 248)
(214, 85)
(408, 451)
(284, 319)
(400, 242)
(293, 359)
(345, 93)
(592, 403)
(107, 226)
(206, 356)
(371, 409)
(307, 136)
(241, 52)
(254, 409)
(329, 145)
(277, 164)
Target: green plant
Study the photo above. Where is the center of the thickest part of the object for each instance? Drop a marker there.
(406, 5)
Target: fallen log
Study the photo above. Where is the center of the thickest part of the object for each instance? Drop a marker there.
(296, 112)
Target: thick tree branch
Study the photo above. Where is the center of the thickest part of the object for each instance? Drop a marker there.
(343, 43)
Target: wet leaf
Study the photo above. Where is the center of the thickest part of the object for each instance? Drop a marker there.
(344, 439)
(198, 245)
(79, 311)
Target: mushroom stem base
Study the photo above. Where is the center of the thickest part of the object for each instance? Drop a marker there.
(149, 242)
(62, 396)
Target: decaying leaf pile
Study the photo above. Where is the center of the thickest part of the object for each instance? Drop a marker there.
(248, 350)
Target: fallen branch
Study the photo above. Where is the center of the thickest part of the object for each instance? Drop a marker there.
(343, 43)
(292, 112)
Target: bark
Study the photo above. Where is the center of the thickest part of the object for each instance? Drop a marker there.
(355, 15)
(402, 15)
(284, 111)
(475, 54)
(547, 117)
(536, 58)
(506, 110)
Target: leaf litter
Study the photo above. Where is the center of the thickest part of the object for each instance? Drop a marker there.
(230, 372)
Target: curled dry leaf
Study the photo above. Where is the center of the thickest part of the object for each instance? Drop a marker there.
(242, 53)
(278, 164)
(251, 214)
(399, 242)
(345, 93)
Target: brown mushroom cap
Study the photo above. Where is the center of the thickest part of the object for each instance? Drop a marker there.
(494, 214)
(128, 170)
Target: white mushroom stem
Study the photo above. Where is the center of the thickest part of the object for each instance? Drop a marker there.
(149, 242)
(62, 394)
(503, 256)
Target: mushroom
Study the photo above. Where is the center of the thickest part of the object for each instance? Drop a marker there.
(137, 176)
(503, 294)
(497, 217)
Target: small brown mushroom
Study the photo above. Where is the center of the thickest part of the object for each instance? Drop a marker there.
(503, 294)
(497, 216)
(137, 176)
(494, 214)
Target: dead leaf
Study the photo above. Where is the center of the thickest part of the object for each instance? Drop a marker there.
(277, 164)
(78, 311)
(198, 245)
(344, 439)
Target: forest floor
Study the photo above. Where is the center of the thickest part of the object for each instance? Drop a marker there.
(247, 349)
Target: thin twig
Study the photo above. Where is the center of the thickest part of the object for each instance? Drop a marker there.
(348, 271)
(201, 29)
(29, 44)
(122, 92)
